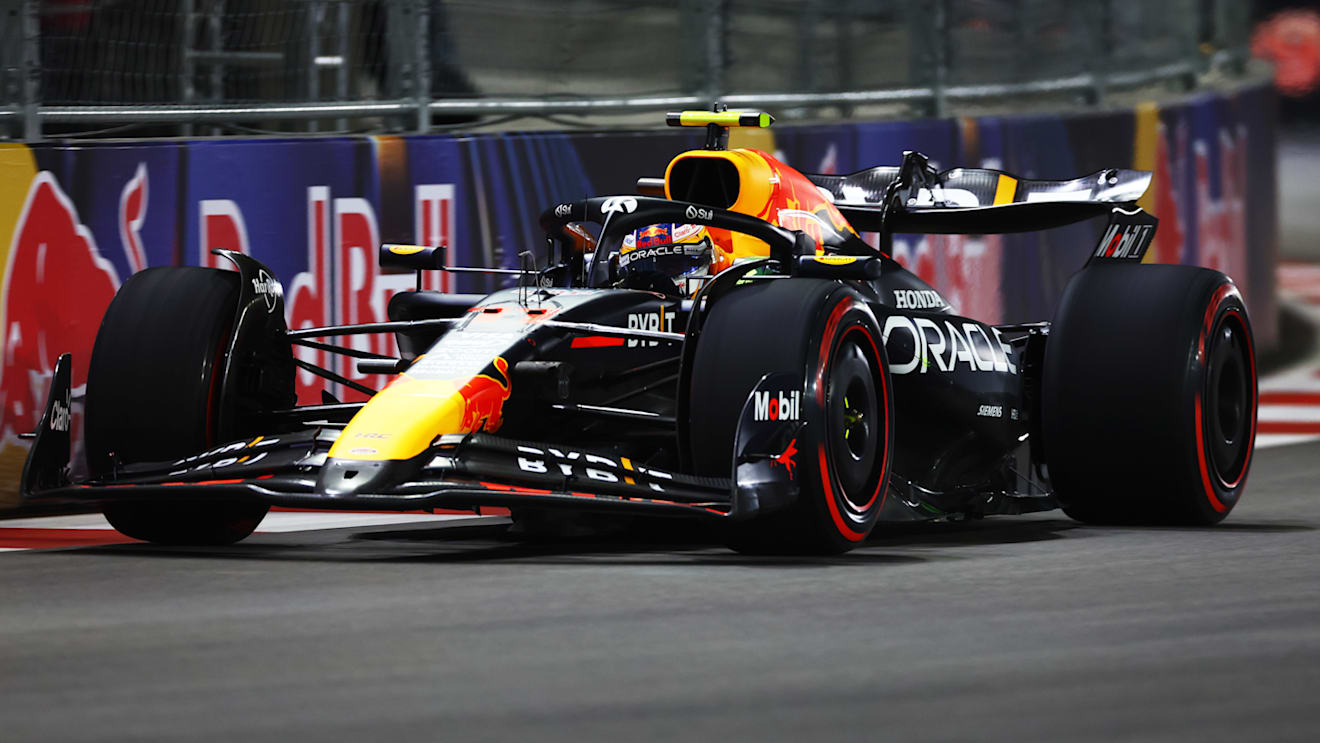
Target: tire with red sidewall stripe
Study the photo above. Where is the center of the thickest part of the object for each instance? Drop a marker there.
(825, 333)
(153, 394)
(1149, 395)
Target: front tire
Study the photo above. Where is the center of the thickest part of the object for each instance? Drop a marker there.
(825, 333)
(153, 395)
(1149, 395)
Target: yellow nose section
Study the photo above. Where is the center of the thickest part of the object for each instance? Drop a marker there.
(402, 420)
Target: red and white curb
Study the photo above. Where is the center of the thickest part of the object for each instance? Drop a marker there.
(90, 530)
(1289, 410)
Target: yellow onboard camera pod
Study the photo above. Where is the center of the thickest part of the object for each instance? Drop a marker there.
(756, 119)
(717, 123)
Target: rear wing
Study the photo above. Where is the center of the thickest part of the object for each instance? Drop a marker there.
(913, 197)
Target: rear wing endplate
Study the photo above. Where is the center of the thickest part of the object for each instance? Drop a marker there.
(1126, 238)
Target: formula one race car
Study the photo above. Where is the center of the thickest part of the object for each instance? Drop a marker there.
(725, 346)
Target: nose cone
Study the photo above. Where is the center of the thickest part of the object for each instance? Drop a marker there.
(341, 478)
(402, 420)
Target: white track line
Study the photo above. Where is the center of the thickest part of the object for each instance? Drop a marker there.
(1267, 440)
(81, 521)
(1289, 412)
(276, 522)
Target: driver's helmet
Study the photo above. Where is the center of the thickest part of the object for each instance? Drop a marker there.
(658, 255)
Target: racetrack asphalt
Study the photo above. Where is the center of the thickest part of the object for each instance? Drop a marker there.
(1011, 628)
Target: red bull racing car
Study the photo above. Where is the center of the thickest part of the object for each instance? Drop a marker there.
(722, 345)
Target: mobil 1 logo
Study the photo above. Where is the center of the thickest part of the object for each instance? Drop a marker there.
(1126, 237)
(777, 405)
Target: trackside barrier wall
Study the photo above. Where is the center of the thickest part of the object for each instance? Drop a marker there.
(75, 220)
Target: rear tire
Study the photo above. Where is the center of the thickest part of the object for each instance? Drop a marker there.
(1149, 395)
(825, 333)
(153, 395)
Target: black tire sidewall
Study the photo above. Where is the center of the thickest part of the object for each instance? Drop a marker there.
(153, 395)
(792, 326)
(1124, 387)
(1219, 492)
(848, 321)
(152, 381)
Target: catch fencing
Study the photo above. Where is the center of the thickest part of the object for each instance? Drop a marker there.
(160, 67)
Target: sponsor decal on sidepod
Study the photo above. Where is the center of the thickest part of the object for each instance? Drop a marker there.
(931, 340)
(918, 299)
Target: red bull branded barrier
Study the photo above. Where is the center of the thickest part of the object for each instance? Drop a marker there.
(76, 221)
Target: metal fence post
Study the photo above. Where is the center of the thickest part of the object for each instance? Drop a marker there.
(187, 68)
(216, 38)
(1237, 17)
(341, 72)
(31, 72)
(1198, 63)
(1101, 37)
(422, 66)
(311, 18)
(715, 15)
(1022, 41)
(844, 14)
(940, 21)
(809, 16)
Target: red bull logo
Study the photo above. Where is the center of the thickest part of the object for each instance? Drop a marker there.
(656, 234)
(57, 287)
(484, 397)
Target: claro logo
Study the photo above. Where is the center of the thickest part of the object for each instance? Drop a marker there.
(769, 405)
(59, 416)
